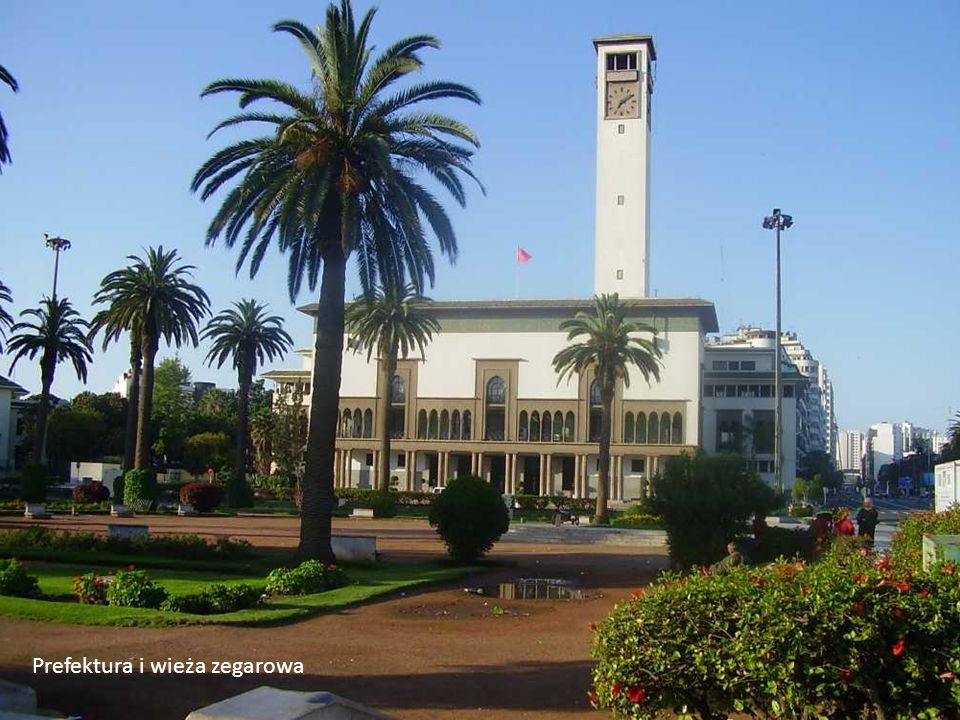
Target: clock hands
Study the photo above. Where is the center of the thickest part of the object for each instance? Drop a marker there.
(626, 99)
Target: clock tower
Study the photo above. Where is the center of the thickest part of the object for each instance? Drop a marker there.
(624, 92)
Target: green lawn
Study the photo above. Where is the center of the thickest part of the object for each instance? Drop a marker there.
(367, 581)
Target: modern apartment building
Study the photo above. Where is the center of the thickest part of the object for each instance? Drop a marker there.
(850, 447)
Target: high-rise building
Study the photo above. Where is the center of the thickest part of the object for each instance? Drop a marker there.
(850, 448)
(884, 445)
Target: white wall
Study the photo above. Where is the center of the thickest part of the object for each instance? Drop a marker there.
(105, 473)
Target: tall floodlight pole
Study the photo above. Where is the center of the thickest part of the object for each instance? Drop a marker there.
(777, 222)
(56, 244)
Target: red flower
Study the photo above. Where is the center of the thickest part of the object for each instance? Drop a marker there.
(758, 581)
(858, 608)
(883, 563)
(844, 676)
(636, 694)
(948, 675)
(637, 594)
(593, 627)
(864, 552)
(615, 690)
(924, 593)
(804, 590)
(899, 614)
(860, 578)
(901, 586)
(798, 566)
(950, 569)
(897, 648)
(592, 695)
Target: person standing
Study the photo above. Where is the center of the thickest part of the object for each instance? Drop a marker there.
(842, 525)
(867, 519)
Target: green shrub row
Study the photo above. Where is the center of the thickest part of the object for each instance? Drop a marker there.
(545, 502)
(214, 600)
(846, 637)
(186, 547)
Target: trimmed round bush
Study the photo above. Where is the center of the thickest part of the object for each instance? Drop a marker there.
(384, 506)
(91, 492)
(33, 483)
(139, 485)
(134, 588)
(470, 516)
(16, 581)
(204, 497)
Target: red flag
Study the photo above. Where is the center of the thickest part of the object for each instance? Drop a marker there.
(522, 255)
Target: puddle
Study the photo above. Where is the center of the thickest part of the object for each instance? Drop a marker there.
(530, 589)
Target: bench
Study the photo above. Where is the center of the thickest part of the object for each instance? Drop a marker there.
(120, 511)
(562, 515)
(354, 547)
(583, 519)
(36, 511)
(362, 513)
(185, 509)
(126, 532)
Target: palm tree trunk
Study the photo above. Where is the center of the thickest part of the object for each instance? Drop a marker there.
(133, 403)
(318, 495)
(43, 409)
(603, 482)
(383, 419)
(237, 495)
(145, 410)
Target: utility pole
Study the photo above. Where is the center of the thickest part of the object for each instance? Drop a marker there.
(56, 244)
(777, 222)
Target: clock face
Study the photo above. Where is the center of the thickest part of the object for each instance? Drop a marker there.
(623, 100)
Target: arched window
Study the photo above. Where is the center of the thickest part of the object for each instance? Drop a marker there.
(422, 425)
(595, 393)
(665, 429)
(628, 428)
(496, 422)
(677, 430)
(357, 423)
(467, 425)
(524, 425)
(569, 427)
(546, 429)
(432, 427)
(496, 391)
(346, 425)
(398, 391)
(368, 423)
(535, 426)
(641, 428)
(558, 426)
(455, 425)
(444, 425)
(653, 430)
(596, 412)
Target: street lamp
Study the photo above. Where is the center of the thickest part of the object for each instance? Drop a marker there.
(778, 221)
(56, 244)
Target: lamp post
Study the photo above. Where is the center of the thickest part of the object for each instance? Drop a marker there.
(777, 222)
(56, 244)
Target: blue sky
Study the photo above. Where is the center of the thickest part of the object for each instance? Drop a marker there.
(843, 114)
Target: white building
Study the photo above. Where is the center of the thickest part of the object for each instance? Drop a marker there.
(9, 392)
(486, 399)
(122, 386)
(739, 407)
(884, 445)
(850, 447)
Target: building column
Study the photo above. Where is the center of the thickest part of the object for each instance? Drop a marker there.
(480, 472)
(584, 487)
(548, 478)
(543, 474)
(443, 464)
(412, 472)
(616, 483)
(513, 474)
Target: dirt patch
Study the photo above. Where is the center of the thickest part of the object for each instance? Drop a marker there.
(432, 653)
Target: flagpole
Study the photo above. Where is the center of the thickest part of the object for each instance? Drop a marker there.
(516, 260)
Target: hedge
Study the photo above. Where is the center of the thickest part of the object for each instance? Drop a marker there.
(849, 636)
(91, 492)
(204, 497)
(907, 544)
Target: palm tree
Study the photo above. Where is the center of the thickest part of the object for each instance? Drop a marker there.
(5, 77)
(335, 175)
(390, 322)
(153, 299)
(610, 347)
(6, 319)
(58, 333)
(114, 322)
(245, 335)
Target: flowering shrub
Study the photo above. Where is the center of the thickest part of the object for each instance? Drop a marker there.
(215, 599)
(844, 637)
(15, 580)
(91, 589)
(134, 588)
(908, 541)
(311, 576)
(91, 492)
(204, 497)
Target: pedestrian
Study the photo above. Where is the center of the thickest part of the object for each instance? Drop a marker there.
(759, 525)
(867, 519)
(842, 524)
(823, 524)
(734, 557)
